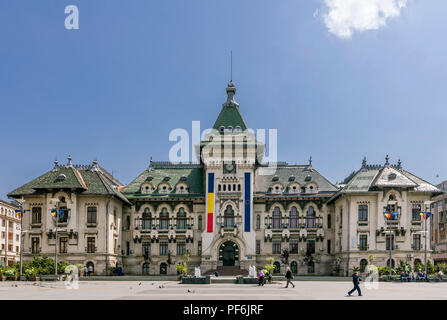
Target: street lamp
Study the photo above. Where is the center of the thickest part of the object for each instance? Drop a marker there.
(391, 204)
(56, 202)
(21, 201)
(426, 216)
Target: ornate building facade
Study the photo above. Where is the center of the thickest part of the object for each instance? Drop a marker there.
(229, 211)
(9, 234)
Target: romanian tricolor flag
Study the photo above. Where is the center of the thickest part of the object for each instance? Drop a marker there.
(387, 215)
(425, 215)
(53, 213)
(19, 213)
(210, 211)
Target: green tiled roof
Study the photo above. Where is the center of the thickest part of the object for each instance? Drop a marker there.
(190, 174)
(230, 116)
(85, 179)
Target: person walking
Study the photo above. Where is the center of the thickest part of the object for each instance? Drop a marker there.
(356, 280)
(261, 278)
(289, 278)
(90, 270)
(85, 271)
(440, 275)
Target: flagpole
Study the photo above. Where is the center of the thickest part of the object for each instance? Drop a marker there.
(55, 245)
(21, 239)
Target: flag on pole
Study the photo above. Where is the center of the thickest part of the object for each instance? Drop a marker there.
(19, 213)
(425, 215)
(387, 215)
(53, 213)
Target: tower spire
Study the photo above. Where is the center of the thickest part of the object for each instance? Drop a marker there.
(231, 66)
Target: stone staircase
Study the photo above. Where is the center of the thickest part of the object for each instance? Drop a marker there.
(229, 271)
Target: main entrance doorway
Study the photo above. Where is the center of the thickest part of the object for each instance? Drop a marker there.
(228, 253)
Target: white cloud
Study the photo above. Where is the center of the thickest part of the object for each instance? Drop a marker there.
(345, 16)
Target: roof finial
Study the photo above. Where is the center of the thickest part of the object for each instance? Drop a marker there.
(387, 158)
(310, 161)
(231, 66)
(399, 164)
(69, 161)
(364, 162)
(95, 163)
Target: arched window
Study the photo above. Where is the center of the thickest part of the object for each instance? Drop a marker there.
(234, 187)
(199, 223)
(219, 188)
(417, 264)
(388, 263)
(163, 268)
(145, 268)
(63, 211)
(294, 267)
(229, 217)
(147, 219)
(224, 187)
(311, 217)
(276, 218)
(277, 267)
(363, 264)
(164, 219)
(311, 267)
(258, 222)
(293, 218)
(238, 187)
(181, 219)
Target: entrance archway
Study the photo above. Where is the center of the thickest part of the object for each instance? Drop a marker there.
(228, 253)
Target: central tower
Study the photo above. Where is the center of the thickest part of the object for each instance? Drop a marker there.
(228, 154)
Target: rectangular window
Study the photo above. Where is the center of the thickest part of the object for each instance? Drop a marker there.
(416, 212)
(276, 247)
(416, 242)
(310, 247)
(36, 215)
(181, 248)
(17, 237)
(258, 246)
(163, 248)
(363, 242)
(199, 248)
(35, 245)
(363, 212)
(127, 248)
(91, 215)
(389, 242)
(293, 246)
(146, 247)
(329, 221)
(63, 244)
(91, 245)
(329, 246)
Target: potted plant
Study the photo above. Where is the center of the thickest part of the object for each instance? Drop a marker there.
(31, 274)
(270, 267)
(11, 273)
(181, 270)
(2, 273)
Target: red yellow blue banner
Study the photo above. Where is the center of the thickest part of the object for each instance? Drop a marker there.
(425, 215)
(210, 200)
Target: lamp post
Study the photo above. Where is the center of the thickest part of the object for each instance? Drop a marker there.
(391, 203)
(427, 210)
(21, 201)
(56, 202)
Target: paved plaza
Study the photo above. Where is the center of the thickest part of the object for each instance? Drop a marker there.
(171, 290)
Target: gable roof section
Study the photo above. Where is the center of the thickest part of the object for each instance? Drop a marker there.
(191, 174)
(299, 172)
(86, 179)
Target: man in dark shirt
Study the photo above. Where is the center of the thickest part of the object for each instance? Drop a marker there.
(356, 280)
(289, 278)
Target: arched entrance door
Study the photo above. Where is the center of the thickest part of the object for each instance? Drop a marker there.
(228, 252)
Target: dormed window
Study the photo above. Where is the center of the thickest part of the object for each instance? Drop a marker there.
(181, 188)
(312, 188)
(294, 188)
(164, 188)
(277, 188)
(147, 188)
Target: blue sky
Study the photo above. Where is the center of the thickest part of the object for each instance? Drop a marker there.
(135, 70)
